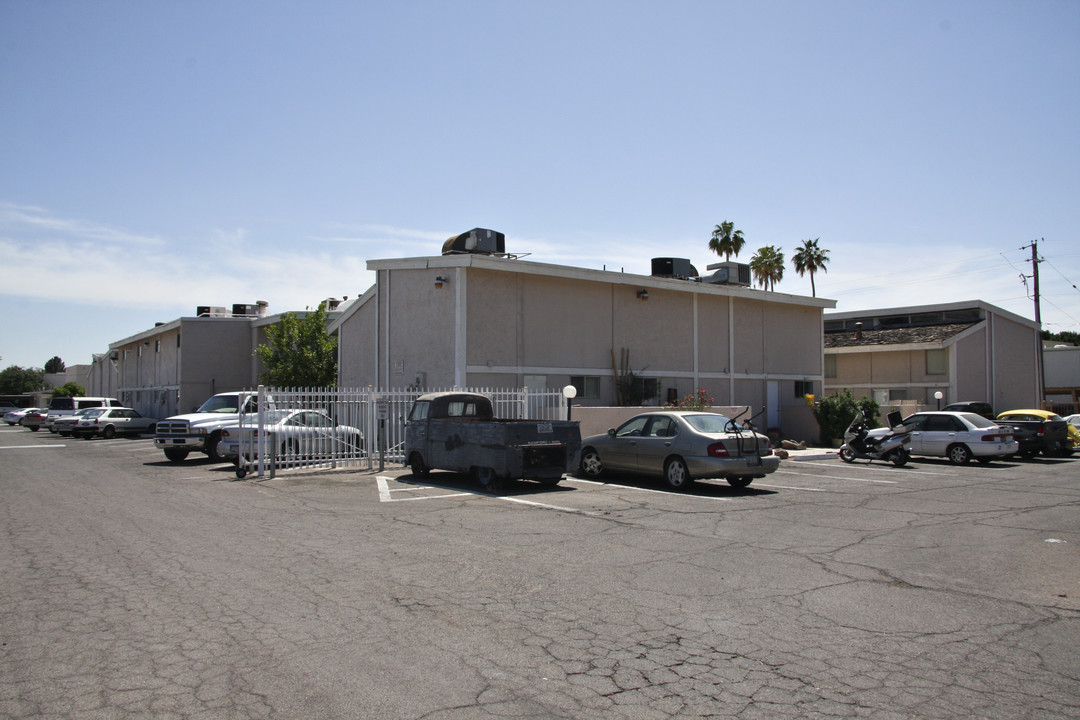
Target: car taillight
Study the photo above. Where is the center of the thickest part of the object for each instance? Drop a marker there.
(717, 449)
(1041, 430)
(997, 438)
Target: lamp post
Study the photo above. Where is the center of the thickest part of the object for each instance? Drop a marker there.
(569, 392)
(937, 396)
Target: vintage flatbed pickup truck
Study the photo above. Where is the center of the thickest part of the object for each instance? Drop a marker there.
(459, 432)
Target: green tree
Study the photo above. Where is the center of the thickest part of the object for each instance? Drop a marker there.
(767, 265)
(15, 380)
(56, 365)
(298, 352)
(726, 240)
(71, 389)
(810, 258)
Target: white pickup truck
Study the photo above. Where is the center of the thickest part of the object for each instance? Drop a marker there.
(201, 430)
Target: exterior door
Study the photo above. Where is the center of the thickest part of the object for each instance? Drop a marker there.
(772, 404)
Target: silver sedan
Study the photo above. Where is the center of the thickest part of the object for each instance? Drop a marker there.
(679, 446)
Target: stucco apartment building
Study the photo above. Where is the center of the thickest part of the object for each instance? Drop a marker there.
(174, 367)
(487, 320)
(966, 351)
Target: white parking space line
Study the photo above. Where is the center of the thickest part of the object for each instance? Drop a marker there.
(385, 495)
(635, 487)
(837, 477)
(789, 487)
(31, 447)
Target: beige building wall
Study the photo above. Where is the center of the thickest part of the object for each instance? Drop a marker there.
(496, 322)
(995, 360)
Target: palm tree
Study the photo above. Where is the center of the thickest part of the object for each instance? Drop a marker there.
(726, 240)
(809, 259)
(768, 266)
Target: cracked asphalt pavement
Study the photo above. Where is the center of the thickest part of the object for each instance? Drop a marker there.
(136, 588)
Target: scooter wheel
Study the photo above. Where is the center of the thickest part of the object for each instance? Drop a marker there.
(847, 455)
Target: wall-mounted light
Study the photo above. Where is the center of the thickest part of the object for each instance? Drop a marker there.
(440, 281)
(643, 294)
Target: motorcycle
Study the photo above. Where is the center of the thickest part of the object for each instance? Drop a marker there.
(859, 443)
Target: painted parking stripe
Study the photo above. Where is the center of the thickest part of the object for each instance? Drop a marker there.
(642, 489)
(385, 495)
(30, 447)
(837, 477)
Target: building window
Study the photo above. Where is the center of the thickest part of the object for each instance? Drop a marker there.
(935, 362)
(803, 388)
(157, 346)
(588, 387)
(830, 366)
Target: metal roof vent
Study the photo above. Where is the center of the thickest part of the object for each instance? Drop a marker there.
(479, 241)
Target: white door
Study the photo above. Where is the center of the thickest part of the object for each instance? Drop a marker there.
(772, 404)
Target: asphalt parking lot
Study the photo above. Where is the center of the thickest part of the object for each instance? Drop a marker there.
(140, 588)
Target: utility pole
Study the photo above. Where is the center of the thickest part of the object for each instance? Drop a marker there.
(1035, 260)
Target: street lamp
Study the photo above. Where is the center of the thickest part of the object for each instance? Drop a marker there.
(569, 392)
(937, 396)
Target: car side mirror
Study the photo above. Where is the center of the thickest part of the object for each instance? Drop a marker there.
(611, 432)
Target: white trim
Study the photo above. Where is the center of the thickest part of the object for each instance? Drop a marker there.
(460, 326)
(486, 262)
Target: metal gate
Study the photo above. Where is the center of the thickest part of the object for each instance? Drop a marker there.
(357, 428)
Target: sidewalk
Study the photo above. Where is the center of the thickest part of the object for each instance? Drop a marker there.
(811, 453)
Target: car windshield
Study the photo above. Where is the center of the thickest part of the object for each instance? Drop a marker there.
(708, 423)
(978, 420)
(220, 404)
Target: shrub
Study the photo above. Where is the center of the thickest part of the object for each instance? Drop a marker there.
(835, 413)
(699, 400)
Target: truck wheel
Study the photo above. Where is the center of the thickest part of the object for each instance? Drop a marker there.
(550, 482)
(419, 468)
(211, 448)
(176, 454)
(488, 479)
(676, 474)
(34, 428)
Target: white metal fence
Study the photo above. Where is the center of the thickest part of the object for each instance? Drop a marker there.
(330, 428)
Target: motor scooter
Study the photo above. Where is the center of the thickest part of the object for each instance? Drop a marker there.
(858, 443)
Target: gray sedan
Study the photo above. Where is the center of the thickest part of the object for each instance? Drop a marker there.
(679, 446)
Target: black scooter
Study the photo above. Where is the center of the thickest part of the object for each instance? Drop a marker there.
(858, 443)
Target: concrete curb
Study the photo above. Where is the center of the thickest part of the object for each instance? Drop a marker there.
(812, 454)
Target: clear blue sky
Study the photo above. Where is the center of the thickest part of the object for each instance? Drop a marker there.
(156, 156)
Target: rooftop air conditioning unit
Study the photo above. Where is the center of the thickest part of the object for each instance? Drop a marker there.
(673, 268)
(210, 311)
(245, 310)
(478, 240)
(729, 273)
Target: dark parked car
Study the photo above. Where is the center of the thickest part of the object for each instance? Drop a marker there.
(972, 406)
(1038, 431)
